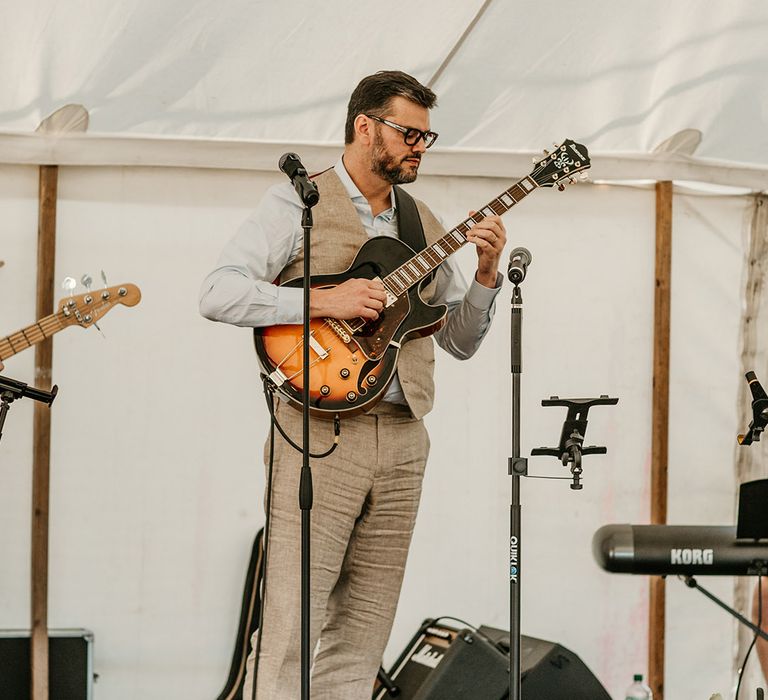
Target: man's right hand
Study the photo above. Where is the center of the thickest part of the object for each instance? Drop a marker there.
(350, 299)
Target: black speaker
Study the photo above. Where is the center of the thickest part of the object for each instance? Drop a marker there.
(442, 663)
(70, 664)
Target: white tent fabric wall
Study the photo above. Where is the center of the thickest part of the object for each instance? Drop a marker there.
(158, 431)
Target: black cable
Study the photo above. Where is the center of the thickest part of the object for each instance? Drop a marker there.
(268, 392)
(267, 519)
(754, 639)
(455, 619)
(270, 399)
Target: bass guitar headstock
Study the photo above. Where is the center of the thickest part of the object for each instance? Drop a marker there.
(86, 309)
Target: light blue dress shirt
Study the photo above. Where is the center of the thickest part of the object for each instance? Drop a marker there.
(241, 288)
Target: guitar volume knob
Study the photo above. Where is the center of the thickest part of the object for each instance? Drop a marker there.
(351, 396)
(371, 380)
(325, 390)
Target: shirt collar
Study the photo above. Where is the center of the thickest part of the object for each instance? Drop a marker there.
(355, 193)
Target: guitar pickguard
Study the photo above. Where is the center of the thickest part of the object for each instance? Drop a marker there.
(374, 337)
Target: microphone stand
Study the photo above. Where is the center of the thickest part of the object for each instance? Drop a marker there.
(760, 569)
(308, 195)
(305, 484)
(517, 468)
(570, 450)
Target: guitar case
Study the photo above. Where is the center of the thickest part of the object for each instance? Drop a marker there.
(249, 621)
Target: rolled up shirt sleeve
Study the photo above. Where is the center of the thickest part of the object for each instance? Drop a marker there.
(470, 310)
(241, 290)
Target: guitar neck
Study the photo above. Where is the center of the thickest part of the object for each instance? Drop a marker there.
(424, 263)
(31, 335)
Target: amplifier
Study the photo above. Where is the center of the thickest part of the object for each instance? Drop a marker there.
(70, 664)
(444, 663)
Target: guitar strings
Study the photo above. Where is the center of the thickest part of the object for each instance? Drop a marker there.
(36, 332)
(297, 346)
(496, 205)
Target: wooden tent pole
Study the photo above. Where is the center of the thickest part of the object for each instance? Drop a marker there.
(660, 425)
(70, 118)
(46, 257)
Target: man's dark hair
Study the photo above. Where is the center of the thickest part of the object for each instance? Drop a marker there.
(373, 94)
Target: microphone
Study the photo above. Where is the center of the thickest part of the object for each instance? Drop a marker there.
(519, 259)
(759, 411)
(291, 165)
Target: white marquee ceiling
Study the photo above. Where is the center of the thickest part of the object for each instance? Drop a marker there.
(620, 77)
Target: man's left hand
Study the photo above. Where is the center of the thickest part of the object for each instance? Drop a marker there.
(489, 237)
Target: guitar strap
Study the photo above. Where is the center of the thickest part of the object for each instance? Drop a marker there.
(409, 222)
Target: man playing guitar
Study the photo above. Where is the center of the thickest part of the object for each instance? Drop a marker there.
(366, 493)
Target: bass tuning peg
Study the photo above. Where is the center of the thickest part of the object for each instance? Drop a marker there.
(69, 284)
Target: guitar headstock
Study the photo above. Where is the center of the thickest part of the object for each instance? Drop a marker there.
(86, 309)
(561, 165)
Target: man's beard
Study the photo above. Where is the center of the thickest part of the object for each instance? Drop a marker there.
(388, 167)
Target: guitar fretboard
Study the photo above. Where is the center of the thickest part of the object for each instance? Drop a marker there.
(429, 259)
(29, 336)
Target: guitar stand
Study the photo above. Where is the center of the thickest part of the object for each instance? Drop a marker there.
(571, 449)
(11, 389)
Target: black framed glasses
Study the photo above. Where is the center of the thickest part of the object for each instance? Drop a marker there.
(411, 135)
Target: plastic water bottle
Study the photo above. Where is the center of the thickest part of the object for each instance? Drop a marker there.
(638, 690)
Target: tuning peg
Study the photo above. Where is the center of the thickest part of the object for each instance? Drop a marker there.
(556, 145)
(560, 186)
(86, 280)
(572, 180)
(583, 176)
(546, 152)
(69, 285)
(104, 278)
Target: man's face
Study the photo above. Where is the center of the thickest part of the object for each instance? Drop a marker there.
(391, 158)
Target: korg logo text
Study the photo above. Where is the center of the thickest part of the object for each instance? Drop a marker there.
(692, 556)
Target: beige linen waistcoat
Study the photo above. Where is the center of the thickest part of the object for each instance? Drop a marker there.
(337, 235)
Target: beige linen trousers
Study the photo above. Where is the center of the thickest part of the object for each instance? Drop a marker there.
(366, 495)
